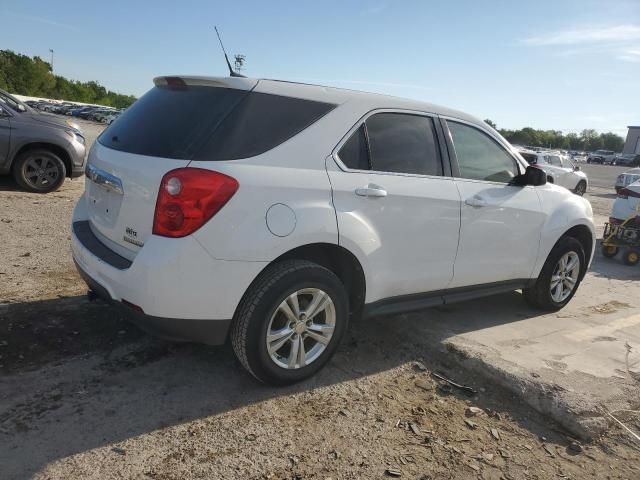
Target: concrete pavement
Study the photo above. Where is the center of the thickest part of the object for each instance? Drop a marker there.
(572, 365)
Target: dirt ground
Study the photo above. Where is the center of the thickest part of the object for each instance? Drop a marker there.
(84, 394)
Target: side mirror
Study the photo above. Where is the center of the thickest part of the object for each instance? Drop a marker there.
(533, 176)
(576, 168)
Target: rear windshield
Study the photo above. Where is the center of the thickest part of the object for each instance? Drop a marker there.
(206, 123)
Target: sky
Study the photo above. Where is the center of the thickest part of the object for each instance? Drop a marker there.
(551, 64)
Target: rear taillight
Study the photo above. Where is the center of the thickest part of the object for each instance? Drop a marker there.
(188, 198)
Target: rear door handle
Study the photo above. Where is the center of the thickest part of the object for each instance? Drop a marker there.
(476, 201)
(371, 190)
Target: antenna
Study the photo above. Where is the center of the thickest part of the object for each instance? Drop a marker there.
(231, 72)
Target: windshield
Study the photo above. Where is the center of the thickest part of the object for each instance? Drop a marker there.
(12, 103)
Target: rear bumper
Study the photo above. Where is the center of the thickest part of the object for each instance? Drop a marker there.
(182, 292)
(210, 332)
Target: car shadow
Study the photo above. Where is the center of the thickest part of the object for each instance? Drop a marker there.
(76, 375)
(609, 196)
(613, 268)
(8, 184)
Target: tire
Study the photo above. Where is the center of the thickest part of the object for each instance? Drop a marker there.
(539, 295)
(609, 251)
(39, 171)
(260, 310)
(581, 188)
(631, 257)
(550, 179)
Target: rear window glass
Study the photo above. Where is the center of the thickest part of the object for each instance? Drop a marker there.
(205, 123)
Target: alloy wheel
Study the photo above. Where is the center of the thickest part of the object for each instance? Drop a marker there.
(301, 328)
(565, 277)
(40, 171)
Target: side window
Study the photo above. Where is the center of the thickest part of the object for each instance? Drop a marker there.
(479, 156)
(403, 143)
(553, 160)
(354, 153)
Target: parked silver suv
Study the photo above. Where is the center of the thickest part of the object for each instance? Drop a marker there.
(39, 149)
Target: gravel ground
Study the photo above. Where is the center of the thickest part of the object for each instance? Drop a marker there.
(84, 394)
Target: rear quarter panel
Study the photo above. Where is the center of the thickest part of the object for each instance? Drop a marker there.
(292, 174)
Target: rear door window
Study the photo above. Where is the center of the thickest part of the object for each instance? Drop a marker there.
(403, 143)
(207, 123)
(553, 160)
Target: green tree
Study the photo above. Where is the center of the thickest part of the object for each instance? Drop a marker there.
(490, 123)
(33, 77)
(611, 141)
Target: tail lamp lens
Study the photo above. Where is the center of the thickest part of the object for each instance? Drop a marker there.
(188, 198)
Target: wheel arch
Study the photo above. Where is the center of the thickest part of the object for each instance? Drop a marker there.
(582, 234)
(340, 261)
(56, 149)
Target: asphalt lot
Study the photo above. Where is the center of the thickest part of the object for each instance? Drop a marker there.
(84, 394)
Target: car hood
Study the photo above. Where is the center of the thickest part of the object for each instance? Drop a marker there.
(52, 120)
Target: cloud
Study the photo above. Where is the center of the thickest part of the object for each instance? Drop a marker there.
(31, 18)
(374, 9)
(630, 55)
(587, 35)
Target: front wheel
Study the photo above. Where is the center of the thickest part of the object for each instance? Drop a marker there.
(560, 276)
(609, 251)
(39, 171)
(290, 322)
(581, 188)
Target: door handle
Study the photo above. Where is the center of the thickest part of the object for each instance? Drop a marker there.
(371, 190)
(476, 201)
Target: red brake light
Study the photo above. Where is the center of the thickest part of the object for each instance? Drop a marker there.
(188, 198)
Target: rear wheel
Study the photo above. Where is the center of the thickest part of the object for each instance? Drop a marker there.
(631, 257)
(609, 251)
(581, 188)
(39, 171)
(290, 322)
(560, 276)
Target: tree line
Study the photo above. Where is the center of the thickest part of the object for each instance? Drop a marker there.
(587, 140)
(34, 77)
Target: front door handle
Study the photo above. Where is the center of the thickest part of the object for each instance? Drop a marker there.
(371, 190)
(476, 201)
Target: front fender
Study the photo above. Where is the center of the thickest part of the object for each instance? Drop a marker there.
(563, 210)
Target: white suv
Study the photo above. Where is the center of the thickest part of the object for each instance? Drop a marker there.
(271, 212)
(559, 169)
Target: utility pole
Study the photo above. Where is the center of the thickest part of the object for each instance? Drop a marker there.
(51, 50)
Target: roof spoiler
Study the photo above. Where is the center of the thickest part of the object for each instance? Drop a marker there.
(238, 83)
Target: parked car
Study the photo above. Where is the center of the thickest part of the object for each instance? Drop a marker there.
(601, 156)
(627, 205)
(627, 160)
(108, 119)
(103, 115)
(627, 178)
(39, 149)
(271, 212)
(559, 169)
